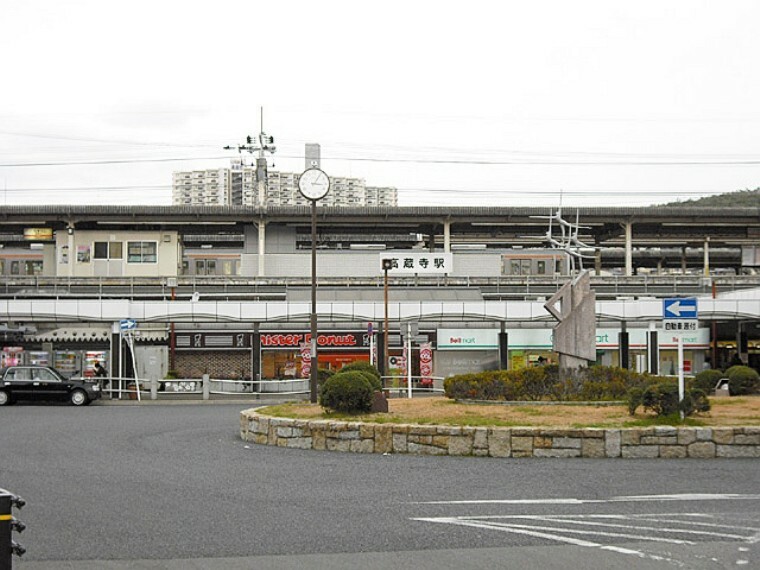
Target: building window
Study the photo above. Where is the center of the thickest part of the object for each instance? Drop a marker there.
(141, 251)
(109, 250)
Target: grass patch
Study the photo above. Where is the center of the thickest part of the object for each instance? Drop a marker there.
(744, 411)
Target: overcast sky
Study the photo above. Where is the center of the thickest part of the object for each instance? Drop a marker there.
(467, 103)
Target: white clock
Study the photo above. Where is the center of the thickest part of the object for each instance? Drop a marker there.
(314, 184)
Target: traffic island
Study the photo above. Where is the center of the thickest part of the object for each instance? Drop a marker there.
(361, 437)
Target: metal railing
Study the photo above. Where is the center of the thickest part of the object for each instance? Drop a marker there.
(399, 385)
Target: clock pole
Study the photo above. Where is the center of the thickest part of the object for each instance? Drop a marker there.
(314, 360)
(314, 185)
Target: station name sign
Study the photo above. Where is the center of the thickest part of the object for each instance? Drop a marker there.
(287, 340)
(418, 263)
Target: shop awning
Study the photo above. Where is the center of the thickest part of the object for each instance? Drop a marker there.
(93, 334)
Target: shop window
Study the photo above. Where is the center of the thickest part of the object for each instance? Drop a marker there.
(15, 267)
(141, 252)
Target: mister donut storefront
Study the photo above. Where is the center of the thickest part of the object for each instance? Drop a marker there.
(282, 355)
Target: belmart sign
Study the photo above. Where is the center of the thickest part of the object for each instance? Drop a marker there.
(488, 339)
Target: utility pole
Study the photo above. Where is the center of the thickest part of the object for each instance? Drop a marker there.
(264, 144)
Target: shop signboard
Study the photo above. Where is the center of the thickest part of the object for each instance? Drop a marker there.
(325, 340)
(532, 339)
(468, 339)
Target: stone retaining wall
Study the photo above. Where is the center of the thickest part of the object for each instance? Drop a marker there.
(357, 437)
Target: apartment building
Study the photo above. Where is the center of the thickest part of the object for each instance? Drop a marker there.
(238, 186)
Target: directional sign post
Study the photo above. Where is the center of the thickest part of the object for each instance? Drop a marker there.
(127, 329)
(680, 315)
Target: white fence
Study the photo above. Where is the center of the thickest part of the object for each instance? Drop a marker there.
(207, 388)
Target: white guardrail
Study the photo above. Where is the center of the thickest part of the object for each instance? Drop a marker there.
(206, 387)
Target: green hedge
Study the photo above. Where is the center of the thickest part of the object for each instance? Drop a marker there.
(349, 392)
(742, 380)
(546, 383)
(708, 379)
(373, 374)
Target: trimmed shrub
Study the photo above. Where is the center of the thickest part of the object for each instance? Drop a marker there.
(743, 380)
(662, 399)
(349, 392)
(707, 380)
(323, 374)
(365, 367)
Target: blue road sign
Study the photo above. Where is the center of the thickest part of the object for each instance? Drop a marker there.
(127, 324)
(679, 308)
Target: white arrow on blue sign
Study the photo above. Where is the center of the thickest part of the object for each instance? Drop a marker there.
(679, 308)
(127, 324)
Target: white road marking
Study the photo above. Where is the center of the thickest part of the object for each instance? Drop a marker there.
(626, 499)
(556, 537)
(692, 525)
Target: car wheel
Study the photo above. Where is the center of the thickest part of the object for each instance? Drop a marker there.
(78, 397)
(4, 398)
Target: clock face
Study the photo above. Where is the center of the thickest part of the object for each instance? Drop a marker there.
(314, 184)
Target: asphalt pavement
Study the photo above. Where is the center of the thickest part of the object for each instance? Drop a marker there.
(169, 486)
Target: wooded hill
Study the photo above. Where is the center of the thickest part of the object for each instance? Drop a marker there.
(740, 199)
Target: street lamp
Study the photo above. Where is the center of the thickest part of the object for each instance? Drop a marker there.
(314, 185)
(387, 265)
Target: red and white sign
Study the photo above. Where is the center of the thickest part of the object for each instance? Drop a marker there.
(426, 364)
(305, 360)
(296, 339)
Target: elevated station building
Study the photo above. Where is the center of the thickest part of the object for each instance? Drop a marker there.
(225, 290)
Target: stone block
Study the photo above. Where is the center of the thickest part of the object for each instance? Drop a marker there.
(299, 443)
(736, 451)
(686, 436)
(338, 444)
(367, 431)
(499, 443)
(460, 445)
(543, 442)
(522, 453)
(701, 449)
(663, 431)
(639, 451)
(421, 439)
(672, 451)
(480, 438)
(566, 443)
(522, 443)
(441, 441)
(593, 447)
(612, 443)
(746, 439)
(724, 436)
(557, 452)
(659, 440)
(419, 449)
(284, 431)
(383, 439)
(630, 437)
(400, 444)
(593, 433)
(362, 446)
(319, 441)
(422, 430)
(704, 434)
